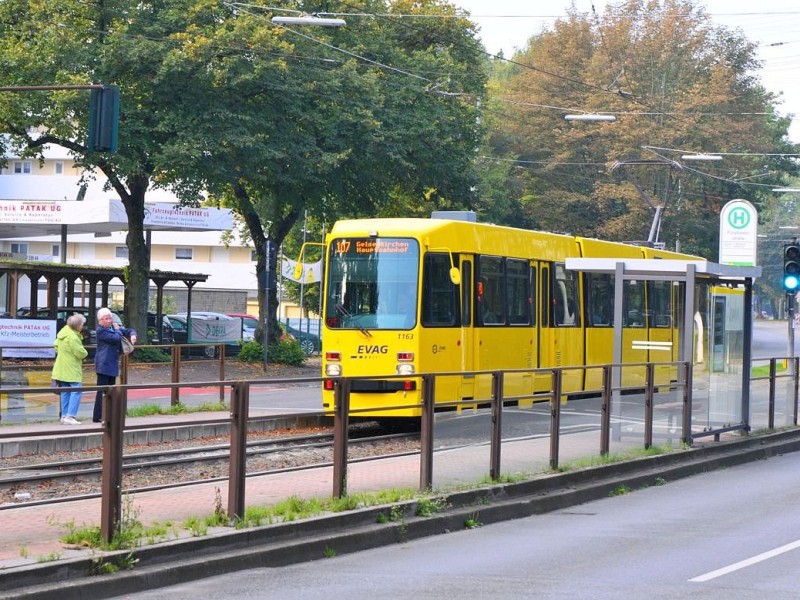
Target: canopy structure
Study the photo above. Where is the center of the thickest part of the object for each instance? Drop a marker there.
(73, 275)
(710, 310)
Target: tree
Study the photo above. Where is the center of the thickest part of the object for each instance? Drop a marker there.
(114, 42)
(343, 122)
(676, 83)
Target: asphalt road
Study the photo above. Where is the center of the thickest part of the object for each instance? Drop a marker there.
(729, 534)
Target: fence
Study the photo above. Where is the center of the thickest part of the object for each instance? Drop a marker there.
(501, 435)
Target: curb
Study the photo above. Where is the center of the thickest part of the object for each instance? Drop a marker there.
(225, 551)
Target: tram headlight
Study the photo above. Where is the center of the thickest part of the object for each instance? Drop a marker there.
(404, 369)
(333, 370)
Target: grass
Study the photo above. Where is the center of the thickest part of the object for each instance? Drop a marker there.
(763, 370)
(133, 533)
(146, 410)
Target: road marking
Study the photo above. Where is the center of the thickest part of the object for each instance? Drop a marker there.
(746, 562)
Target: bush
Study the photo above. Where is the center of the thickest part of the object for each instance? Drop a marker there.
(251, 352)
(142, 355)
(287, 352)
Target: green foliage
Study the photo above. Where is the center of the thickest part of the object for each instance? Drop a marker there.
(430, 506)
(148, 409)
(251, 351)
(620, 490)
(144, 354)
(286, 352)
(473, 521)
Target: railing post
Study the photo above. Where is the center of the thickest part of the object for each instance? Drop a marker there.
(123, 370)
(175, 397)
(648, 404)
(771, 406)
(426, 433)
(111, 478)
(605, 413)
(240, 409)
(497, 425)
(222, 373)
(555, 417)
(341, 416)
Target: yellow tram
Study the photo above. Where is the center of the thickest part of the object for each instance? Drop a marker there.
(412, 296)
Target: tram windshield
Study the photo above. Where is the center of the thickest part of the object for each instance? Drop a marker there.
(372, 283)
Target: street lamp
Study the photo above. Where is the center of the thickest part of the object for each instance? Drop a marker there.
(309, 20)
(590, 117)
(701, 156)
(786, 190)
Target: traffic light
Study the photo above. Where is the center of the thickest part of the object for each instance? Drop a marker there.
(103, 119)
(791, 267)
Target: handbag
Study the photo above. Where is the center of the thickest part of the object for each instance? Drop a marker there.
(54, 383)
(127, 345)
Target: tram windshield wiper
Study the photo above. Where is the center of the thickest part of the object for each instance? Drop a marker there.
(353, 320)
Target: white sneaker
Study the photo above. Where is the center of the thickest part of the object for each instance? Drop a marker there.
(64, 421)
(71, 421)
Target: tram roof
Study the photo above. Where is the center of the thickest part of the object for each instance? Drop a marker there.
(644, 267)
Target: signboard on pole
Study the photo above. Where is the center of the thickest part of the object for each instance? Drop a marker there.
(738, 234)
(27, 338)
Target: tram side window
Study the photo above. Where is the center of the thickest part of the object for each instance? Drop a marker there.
(599, 299)
(564, 298)
(439, 295)
(490, 300)
(659, 304)
(633, 304)
(518, 292)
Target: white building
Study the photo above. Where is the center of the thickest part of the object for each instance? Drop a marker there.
(231, 284)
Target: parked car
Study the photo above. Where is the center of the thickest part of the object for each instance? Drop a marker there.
(180, 332)
(159, 335)
(309, 342)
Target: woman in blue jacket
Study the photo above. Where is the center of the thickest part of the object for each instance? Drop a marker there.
(106, 359)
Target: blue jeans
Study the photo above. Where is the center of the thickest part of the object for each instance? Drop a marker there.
(71, 400)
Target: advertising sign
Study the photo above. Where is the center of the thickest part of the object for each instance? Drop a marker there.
(738, 233)
(27, 338)
(215, 331)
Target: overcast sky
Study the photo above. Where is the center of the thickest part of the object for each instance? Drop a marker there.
(773, 24)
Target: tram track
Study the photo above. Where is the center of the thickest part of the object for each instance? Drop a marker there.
(68, 480)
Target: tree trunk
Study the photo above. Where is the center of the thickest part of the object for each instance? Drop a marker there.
(138, 272)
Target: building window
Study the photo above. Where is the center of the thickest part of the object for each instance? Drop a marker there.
(121, 252)
(22, 167)
(59, 168)
(17, 248)
(183, 254)
(55, 251)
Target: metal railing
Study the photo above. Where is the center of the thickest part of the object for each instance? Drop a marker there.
(496, 407)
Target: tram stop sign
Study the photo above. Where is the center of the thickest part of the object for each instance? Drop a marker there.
(738, 234)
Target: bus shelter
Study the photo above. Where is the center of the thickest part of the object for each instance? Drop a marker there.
(713, 323)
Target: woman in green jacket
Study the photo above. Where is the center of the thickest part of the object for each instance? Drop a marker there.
(68, 368)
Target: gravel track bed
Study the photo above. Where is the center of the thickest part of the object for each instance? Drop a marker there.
(153, 476)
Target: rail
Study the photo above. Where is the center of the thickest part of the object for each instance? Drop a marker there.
(627, 417)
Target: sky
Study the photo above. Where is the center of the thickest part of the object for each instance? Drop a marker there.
(774, 25)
